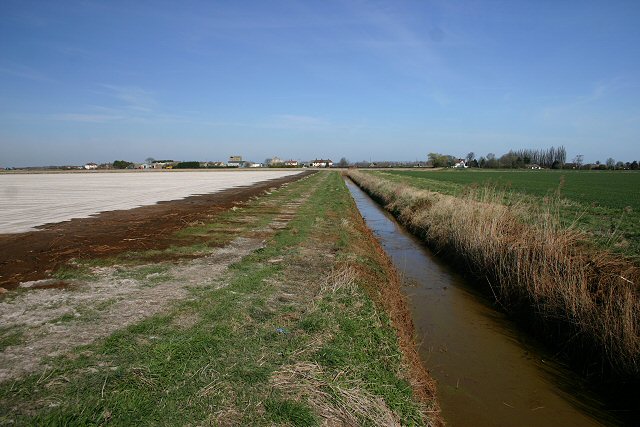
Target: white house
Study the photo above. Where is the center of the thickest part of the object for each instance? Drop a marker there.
(90, 166)
(460, 163)
(321, 163)
(293, 163)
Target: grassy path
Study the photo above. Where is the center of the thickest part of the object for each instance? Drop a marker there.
(288, 334)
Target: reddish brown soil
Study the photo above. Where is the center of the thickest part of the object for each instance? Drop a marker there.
(34, 255)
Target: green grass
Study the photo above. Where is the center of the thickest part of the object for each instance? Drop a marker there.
(9, 337)
(220, 367)
(289, 411)
(605, 204)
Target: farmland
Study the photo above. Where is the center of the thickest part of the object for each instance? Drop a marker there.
(31, 200)
(260, 313)
(604, 204)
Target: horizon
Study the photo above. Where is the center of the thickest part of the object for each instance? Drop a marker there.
(84, 81)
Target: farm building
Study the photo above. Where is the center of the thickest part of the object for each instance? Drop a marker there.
(322, 163)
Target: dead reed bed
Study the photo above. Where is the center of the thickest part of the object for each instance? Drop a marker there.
(584, 300)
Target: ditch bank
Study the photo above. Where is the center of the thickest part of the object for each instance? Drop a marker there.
(584, 340)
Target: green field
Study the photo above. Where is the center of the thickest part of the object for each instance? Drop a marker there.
(604, 204)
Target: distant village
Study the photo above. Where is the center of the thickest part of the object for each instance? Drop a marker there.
(551, 158)
(234, 162)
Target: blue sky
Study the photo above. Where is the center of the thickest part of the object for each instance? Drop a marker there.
(97, 81)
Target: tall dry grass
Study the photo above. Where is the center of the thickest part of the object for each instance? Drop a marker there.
(584, 299)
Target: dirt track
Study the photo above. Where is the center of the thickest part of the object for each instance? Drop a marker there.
(34, 255)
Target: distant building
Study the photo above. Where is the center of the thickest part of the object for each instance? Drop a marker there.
(292, 163)
(321, 163)
(534, 166)
(274, 161)
(90, 166)
(460, 163)
(213, 164)
(235, 162)
(162, 164)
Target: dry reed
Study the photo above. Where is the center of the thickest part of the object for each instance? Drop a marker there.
(586, 300)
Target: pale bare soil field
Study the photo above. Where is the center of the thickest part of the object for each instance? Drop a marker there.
(33, 255)
(32, 200)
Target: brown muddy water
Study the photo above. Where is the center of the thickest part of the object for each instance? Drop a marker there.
(488, 372)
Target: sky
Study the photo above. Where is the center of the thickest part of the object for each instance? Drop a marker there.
(96, 81)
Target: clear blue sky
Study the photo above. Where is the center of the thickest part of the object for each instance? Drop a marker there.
(97, 81)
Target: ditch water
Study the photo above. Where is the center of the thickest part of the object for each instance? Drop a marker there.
(488, 373)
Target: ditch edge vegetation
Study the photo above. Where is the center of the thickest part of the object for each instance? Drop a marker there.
(580, 300)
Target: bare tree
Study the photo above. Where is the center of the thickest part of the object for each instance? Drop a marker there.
(611, 163)
(470, 156)
(578, 159)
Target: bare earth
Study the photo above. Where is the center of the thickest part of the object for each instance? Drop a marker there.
(32, 200)
(34, 255)
(54, 319)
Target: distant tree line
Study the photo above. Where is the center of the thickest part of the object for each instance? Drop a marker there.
(122, 164)
(187, 165)
(551, 158)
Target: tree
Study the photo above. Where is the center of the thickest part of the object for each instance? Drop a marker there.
(491, 161)
(343, 163)
(149, 160)
(578, 160)
(438, 160)
(121, 164)
(187, 165)
(611, 163)
(470, 156)
(509, 160)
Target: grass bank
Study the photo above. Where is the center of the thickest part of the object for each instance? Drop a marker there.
(605, 205)
(307, 328)
(584, 300)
